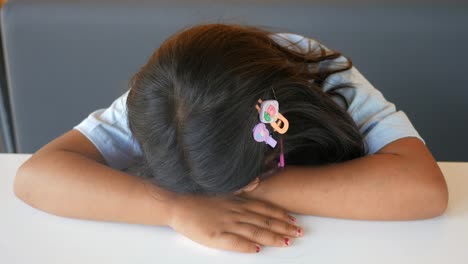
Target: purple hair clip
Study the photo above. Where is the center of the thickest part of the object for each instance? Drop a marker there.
(261, 134)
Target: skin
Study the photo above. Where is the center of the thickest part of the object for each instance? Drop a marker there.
(402, 181)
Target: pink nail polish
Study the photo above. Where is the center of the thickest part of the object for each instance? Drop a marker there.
(287, 241)
(257, 248)
(292, 219)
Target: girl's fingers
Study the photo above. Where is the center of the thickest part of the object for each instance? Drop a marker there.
(272, 224)
(260, 235)
(230, 241)
(269, 210)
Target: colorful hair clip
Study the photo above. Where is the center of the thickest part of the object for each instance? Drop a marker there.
(261, 134)
(269, 113)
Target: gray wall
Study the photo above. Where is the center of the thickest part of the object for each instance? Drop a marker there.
(67, 58)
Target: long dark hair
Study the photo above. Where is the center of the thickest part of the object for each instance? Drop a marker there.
(191, 108)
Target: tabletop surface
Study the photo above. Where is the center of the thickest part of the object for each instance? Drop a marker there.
(28, 235)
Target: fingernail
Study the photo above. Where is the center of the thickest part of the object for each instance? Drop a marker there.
(287, 242)
(292, 219)
(257, 248)
(300, 232)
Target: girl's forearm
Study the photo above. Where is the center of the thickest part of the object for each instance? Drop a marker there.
(377, 187)
(71, 185)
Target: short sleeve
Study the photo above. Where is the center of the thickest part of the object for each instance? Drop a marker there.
(377, 119)
(108, 130)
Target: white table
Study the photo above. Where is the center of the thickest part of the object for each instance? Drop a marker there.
(28, 235)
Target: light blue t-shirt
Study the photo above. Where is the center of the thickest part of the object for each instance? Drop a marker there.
(377, 119)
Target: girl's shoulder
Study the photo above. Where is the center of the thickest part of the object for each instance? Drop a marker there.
(107, 128)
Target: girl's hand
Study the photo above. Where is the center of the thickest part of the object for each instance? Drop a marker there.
(233, 222)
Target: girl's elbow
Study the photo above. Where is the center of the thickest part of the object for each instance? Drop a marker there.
(22, 187)
(441, 198)
(436, 196)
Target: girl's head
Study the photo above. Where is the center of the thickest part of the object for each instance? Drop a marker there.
(191, 108)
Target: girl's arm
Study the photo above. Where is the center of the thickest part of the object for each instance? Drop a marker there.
(402, 181)
(69, 177)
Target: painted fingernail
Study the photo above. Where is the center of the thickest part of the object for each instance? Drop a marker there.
(300, 232)
(292, 219)
(287, 242)
(257, 248)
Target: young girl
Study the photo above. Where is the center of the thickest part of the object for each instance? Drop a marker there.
(226, 129)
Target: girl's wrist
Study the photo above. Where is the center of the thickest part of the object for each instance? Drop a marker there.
(271, 187)
(161, 204)
(176, 208)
